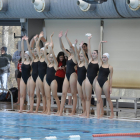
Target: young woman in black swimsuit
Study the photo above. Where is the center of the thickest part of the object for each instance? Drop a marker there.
(102, 83)
(81, 71)
(34, 75)
(50, 82)
(92, 71)
(71, 76)
(42, 68)
(26, 69)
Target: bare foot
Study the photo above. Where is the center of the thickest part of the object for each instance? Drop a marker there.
(43, 112)
(71, 114)
(101, 115)
(48, 113)
(17, 103)
(30, 111)
(60, 114)
(88, 116)
(83, 114)
(20, 111)
(36, 111)
(112, 116)
(57, 113)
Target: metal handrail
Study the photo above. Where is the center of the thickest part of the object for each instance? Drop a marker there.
(11, 96)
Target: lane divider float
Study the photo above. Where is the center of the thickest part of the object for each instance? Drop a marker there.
(115, 134)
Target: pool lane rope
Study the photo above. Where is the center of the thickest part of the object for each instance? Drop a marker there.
(115, 134)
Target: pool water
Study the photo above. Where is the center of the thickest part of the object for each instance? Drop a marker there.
(14, 126)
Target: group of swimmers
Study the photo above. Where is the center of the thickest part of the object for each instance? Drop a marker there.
(39, 66)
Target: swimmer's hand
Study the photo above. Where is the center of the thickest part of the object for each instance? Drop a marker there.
(46, 45)
(103, 41)
(52, 34)
(66, 33)
(76, 41)
(35, 37)
(41, 34)
(81, 44)
(23, 37)
(26, 37)
(60, 34)
(89, 37)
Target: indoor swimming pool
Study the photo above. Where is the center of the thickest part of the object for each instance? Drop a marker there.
(14, 126)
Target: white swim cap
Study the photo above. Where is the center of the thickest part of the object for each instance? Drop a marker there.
(27, 52)
(88, 34)
(42, 48)
(107, 55)
(73, 45)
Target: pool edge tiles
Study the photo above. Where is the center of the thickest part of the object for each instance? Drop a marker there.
(77, 116)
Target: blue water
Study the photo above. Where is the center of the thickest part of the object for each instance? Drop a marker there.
(14, 126)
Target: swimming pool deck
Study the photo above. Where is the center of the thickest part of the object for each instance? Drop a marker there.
(5, 106)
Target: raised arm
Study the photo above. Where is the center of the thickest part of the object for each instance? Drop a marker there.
(54, 57)
(38, 41)
(70, 44)
(110, 78)
(85, 57)
(99, 53)
(89, 49)
(80, 46)
(76, 53)
(52, 40)
(61, 44)
(32, 42)
(45, 55)
(29, 48)
(22, 49)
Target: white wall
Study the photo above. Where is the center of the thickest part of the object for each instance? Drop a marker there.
(123, 38)
(76, 30)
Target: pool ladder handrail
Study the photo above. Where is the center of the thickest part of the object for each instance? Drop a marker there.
(10, 94)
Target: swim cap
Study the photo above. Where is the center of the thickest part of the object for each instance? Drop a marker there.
(42, 48)
(27, 52)
(73, 45)
(107, 55)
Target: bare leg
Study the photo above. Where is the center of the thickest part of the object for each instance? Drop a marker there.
(84, 98)
(88, 90)
(101, 101)
(81, 96)
(48, 96)
(44, 96)
(106, 91)
(98, 92)
(73, 87)
(22, 94)
(69, 100)
(40, 88)
(38, 94)
(32, 86)
(64, 94)
(101, 108)
(69, 97)
(54, 93)
(18, 82)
